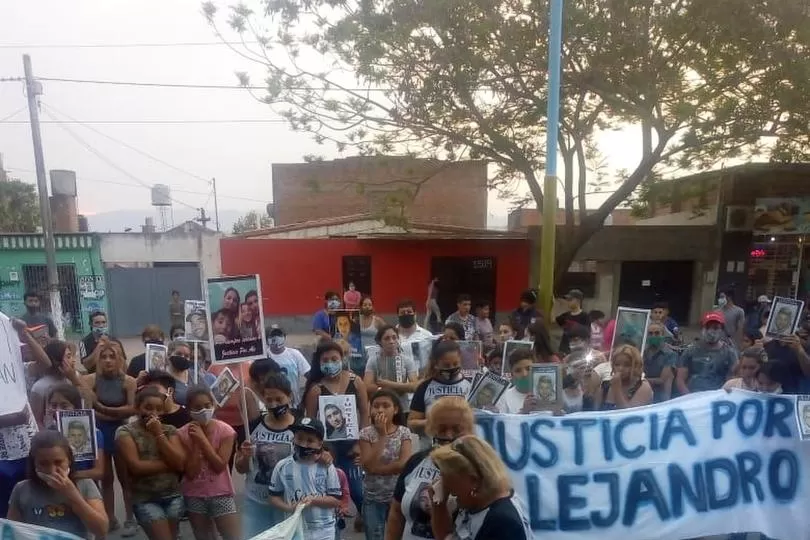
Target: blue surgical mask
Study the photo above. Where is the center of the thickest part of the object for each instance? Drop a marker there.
(99, 331)
(202, 416)
(277, 342)
(721, 301)
(331, 369)
(712, 336)
(333, 305)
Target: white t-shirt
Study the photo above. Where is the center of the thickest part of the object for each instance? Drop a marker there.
(417, 347)
(295, 367)
(511, 401)
(412, 493)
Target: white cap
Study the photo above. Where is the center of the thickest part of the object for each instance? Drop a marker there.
(763, 299)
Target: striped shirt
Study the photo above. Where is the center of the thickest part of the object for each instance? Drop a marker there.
(294, 480)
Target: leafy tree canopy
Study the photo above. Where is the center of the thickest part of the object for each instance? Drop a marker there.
(703, 81)
(19, 208)
(252, 221)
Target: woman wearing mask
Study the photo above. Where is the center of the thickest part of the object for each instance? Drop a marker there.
(409, 514)
(444, 379)
(369, 325)
(62, 370)
(114, 402)
(152, 334)
(476, 477)
(181, 360)
(543, 352)
(627, 387)
(389, 369)
(321, 322)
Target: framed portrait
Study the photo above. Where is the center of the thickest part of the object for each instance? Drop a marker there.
(487, 391)
(236, 330)
(344, 324)
(471, 352)
(784, 317)
(803, 417)
(547, 384)
(224, 385)
(196, 320)
(79, 428)
(631, 328)
(339, 416)
(157, 356)
(508, 348)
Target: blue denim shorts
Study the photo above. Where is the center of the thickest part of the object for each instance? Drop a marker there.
(165, 509)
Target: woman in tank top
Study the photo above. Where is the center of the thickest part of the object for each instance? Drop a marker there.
(114, 402)
(369, 325)
(627, 387)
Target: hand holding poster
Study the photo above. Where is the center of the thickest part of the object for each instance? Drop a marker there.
(471, 352)
(487, 390)
(237, 321)
(225, 385)
(196, 320)
(156, 356)
(784, 317)
(631, 328)
(705, 464)
(79, 428)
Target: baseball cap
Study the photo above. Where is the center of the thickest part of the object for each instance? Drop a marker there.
(574, 294)
(763, 299)
(311, 425)
(195, 313)
(712, 316)
(275, 330)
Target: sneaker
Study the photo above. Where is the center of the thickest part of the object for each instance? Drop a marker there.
(114, 525)
(130, 528)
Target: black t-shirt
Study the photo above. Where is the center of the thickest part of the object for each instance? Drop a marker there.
(35, 319)
(788, 371)
(136, 365)
(178, 418)
(566, 321)
(502, 519)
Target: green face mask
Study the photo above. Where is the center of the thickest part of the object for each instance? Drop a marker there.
(655, 341)
(523, 384)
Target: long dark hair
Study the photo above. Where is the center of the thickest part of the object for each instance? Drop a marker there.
(329, 428)
(45, 439)
(399, 416)
(315, 374)
(441, 348)
(238, 298)
(542, 342)
(67, 391)
(56, 350)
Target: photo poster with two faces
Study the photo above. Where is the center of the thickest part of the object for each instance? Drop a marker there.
(508, 348)
(486, 389)
(236, 332)
(339, 416)
(631, 328)
(196, 321)
(224, 385)
(784, 317)
(79, 428)
(157, 357)
(471, 352)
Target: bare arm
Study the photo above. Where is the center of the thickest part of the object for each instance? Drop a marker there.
(417, 421)
(279, 503)
(171, 450)
(135, 465)
(96, 473)
(311, 401)
(91, 512)
(395, 525)
(683, 376)
(37, 352)
(218, 457)
(124, 411)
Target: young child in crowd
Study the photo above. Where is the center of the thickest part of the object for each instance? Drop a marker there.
(52, 497)
(344, 510)
(173, 414)
(385, 447)
(154, 458)
(207, 487)
(66, 397)
(495, 360)
(766, 381)
(303, 479)
(507, 332)
(751, 360)
(518, 398)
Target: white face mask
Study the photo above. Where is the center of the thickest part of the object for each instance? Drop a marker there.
(202, 416)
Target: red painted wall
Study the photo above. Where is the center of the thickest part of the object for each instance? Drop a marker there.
(296, 273)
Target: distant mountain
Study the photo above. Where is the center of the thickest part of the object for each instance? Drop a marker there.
(121, 220)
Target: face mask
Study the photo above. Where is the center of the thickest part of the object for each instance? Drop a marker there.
(153, 342)
(655, 341)
(203, 416)
(407, 321)
(366, 311)
(279, 411)
(180, 363)
(523, 384)
(277, 342)
(577, 345)
(721, 301)
(331, 369)
(712, 336)
(304, 452)
(449, 374)
(332, 305)
(442, 441)
(99, 331)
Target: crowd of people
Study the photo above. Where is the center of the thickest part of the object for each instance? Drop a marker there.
(416, 471)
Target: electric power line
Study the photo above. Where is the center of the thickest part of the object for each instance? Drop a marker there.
(121, 45)
(4, 119)
(153, 122)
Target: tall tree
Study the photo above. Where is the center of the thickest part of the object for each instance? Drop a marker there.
(703, 81)
(252, 221)
(19, 209)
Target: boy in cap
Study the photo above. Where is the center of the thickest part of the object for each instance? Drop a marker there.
(302, 479)
(709, 362)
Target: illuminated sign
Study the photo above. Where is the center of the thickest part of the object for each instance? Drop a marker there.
(758, 253)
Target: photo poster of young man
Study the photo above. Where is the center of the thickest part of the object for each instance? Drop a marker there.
(345, 324)
(79, 428)
(471, 352)
(784, 317)
(339, 415)
(547, 384)
(236, 332)
(156, 356)
(631, 328)
(488, 391)
(225, 385)
(196, 321)
(803, 417)
(508, 348)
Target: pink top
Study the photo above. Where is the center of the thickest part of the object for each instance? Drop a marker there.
(207, 483)
(345, 499)
(351, 299)
(607, 336)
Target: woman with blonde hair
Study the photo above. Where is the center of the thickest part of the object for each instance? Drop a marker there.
(627, 387)
(476, 477)
(409, 515)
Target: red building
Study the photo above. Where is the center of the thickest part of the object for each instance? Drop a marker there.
(298, 263)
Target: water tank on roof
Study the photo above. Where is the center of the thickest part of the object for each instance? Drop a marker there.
(161, 196)
(63, 182)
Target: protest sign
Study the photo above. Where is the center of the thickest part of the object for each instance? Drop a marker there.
(236, 333)
(196, 328)
(704, 464)
(12, 374)
(17, 530)
(631, 328)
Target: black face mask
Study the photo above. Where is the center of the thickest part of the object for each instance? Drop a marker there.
(407, 321)
(442, 441)
(279, 411)
(180, 363)
(304, 452)
(449, 374)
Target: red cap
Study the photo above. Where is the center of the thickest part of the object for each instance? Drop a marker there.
(712, 316)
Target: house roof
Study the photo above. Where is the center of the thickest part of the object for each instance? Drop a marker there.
(745, 169)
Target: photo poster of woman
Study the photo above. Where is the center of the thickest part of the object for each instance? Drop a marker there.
(784, 317)
(236, 332)
(471, 352)
(345, 324)
(196, 321)
(631, 328)
(508, 348)
(79, 428)
(339, 416)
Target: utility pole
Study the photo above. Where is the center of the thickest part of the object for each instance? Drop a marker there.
(3, 175)
(216, 203)
(32, 90)
(203, 219)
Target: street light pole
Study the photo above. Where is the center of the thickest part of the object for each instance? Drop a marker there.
(32, 90)
(549, 234)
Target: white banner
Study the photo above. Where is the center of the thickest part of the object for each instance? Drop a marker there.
(705, 464)
(12, 374)
(15, 530)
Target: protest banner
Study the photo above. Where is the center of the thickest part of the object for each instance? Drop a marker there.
(704, 464)
(23, 531)
(236, 333)
(12, 373)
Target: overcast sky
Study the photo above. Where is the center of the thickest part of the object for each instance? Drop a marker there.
(239, 155)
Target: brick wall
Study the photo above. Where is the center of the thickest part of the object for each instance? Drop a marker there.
(445, 193)
(521, 219)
